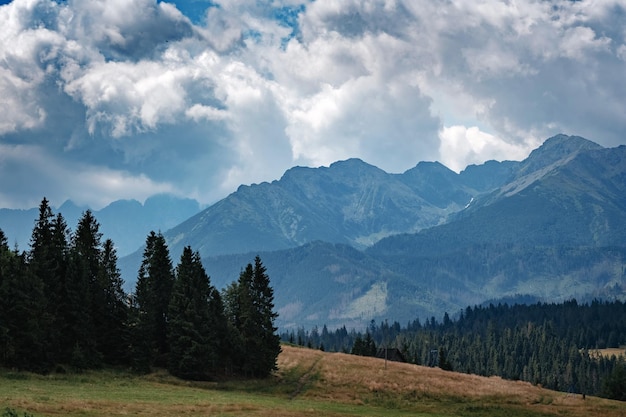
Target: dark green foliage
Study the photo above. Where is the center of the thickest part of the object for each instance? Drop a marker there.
(364, 346)
(444, 363)
(113, 337)
(615, 384)
(152, 298)
(47, 260)
(194, 341)
(62, 303)
(249, 309)
(548, 344)
(25, 323)
(85, 292)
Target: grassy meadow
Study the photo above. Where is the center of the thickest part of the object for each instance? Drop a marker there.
(308, 383)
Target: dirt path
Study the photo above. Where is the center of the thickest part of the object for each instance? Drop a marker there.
(306, 378)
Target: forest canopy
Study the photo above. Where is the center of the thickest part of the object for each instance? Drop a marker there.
(62, 304)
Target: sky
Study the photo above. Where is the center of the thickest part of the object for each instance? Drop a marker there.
(123, 99)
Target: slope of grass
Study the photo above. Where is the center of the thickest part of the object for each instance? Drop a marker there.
(308, 382)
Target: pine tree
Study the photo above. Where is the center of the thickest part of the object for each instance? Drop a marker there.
(151, 301)
(263, 296)
(47, 263)
(85, 294)
(55, 290)
(193, 346)
(233, 311)
(5, 256)
(114, 335)
(5, 265)
(250, 304)
(25, 322)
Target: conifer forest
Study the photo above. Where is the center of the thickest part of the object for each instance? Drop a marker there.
(63, 308)
(558, 346)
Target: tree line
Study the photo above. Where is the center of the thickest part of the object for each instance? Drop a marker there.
(554, 345)
(62, 304)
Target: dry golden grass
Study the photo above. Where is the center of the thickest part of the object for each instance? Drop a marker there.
(607, 353)
(359, 380)
(308, 383)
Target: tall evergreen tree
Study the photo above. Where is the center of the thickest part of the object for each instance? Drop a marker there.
(114, 336)
(85, 293)
(25, 322)
(5, 256)
(250, 304)
(47, 260)
(151, 301)
(56, 288)
(263, 299)
(194, 347)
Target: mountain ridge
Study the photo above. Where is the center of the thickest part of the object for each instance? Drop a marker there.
(126, 222)
(349, 243)
(557, 236)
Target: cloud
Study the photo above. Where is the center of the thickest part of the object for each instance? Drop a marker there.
(461, 146)
(56, 179)
(124, 98)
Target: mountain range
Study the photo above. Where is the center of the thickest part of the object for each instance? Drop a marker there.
(126, 222)
(350, 243)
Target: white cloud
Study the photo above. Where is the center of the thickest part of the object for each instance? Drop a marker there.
(462, 146)
(58, 179)
(577, 41)
(134, 90)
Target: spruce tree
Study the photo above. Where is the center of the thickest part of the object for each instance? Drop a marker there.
(25, 323)
(192, 340)
(250, 304)
(263, 296)
(5, 256)
(85, 294)
(56, 288)
(151, 302)
(47, 265)
(114, 335)
(233, 307)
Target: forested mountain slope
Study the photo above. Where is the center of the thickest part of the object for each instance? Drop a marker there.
(551, 226)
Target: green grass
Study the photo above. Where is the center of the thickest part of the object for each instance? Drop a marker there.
(110, 394)
(308, 383)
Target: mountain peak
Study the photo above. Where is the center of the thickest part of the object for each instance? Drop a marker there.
(562, 141)
(352, 164)
(555, 149)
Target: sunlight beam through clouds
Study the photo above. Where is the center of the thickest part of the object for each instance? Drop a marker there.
(119, 99)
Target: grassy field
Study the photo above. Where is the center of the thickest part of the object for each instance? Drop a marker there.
(308, 383)
(609, 352)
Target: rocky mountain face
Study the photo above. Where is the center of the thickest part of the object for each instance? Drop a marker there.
(356, 243)
(349, 202)
(349, 243)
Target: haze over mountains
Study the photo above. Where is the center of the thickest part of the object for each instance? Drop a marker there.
(126, 222)
(349, 243)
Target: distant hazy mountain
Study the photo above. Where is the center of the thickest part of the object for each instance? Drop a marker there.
(350, 243)
(350, 202)
(126, 222)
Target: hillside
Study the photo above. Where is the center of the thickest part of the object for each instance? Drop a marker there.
(308, 382)
(551, 227)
